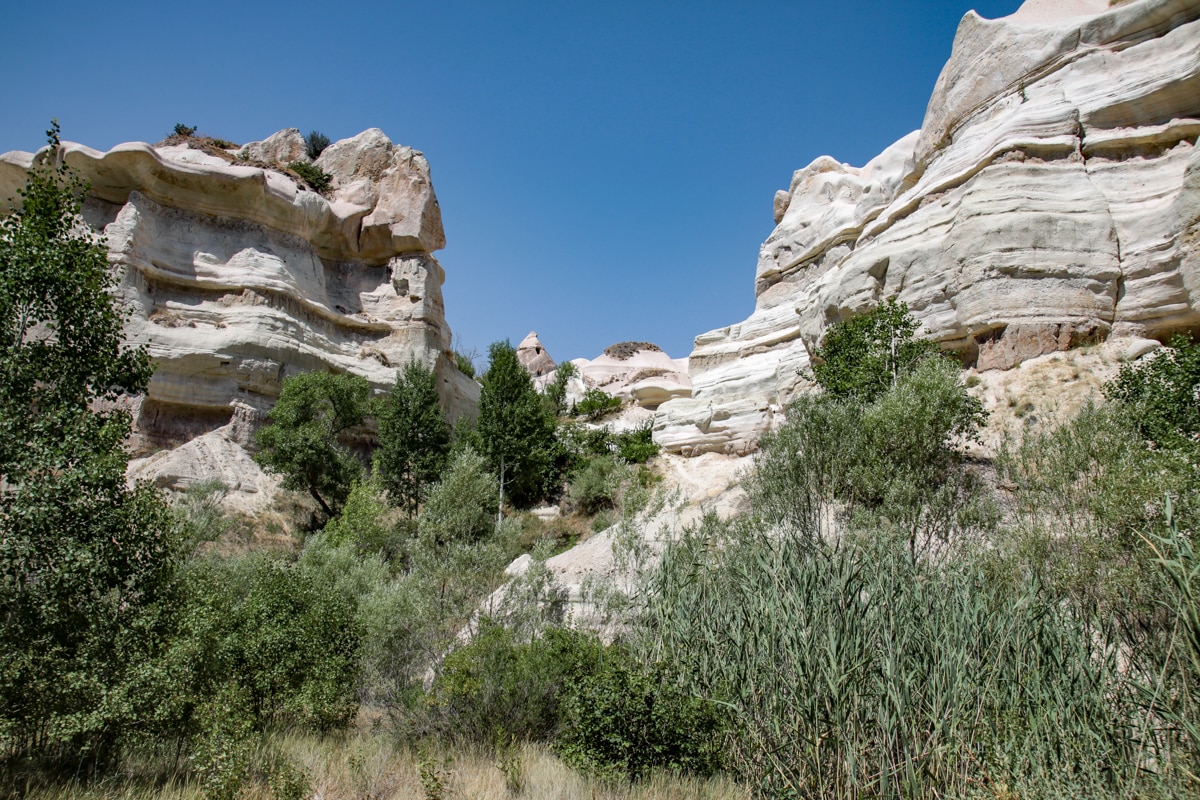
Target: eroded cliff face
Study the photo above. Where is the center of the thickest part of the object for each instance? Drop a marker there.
(238, 276)
(1051, 198)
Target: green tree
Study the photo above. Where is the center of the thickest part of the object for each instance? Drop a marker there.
(516, 433)
(86, 563)
(556, 390)
(301, 443)
(863, 356)
(414, 437)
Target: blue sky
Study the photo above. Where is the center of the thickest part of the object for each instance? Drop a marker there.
(606, 171)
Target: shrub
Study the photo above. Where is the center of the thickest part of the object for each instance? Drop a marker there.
(363, 523)
(497, 687)
(895, 458)
(185, 131)
(596, 403)
(464, 363)
(595, 485)
(273, 632)
(317, 179)
(628, 718)
(315, 143)
(637, 446)
(1158, 394)
(462, 506)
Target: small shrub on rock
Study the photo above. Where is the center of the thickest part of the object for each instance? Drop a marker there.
(596, 403)
(315, 144)
(317, 179)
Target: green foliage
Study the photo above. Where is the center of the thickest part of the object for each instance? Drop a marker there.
(414, 437)
(862, 356)
(86, 563)
(315, 143)
(628, 718)
(318, 179)
(857, 670)
(364, 522)
(556, 390)
(895, 459)
(301, 443)
(1159, 394)
(1086, 494)
(498, 687)
(595, 485)
(460, 506)
(636, 446)
(186, 131)
(281, 637)
(596, 403)
(516, 434)
(464, 363)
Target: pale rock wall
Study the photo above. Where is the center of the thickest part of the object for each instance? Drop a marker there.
(1051, 198)
(237, 276)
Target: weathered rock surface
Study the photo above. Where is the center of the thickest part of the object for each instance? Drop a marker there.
(532, 355)
(637, 371)
(237, 277)
(1050, 199)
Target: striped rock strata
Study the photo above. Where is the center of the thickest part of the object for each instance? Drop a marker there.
(237, 276)
(1050, 198)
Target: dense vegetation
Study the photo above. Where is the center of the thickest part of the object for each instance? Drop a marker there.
(883, 622)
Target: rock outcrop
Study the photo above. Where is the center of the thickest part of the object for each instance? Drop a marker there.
(237, 276)
(1050, 198)
(637, 371)
(532, 355)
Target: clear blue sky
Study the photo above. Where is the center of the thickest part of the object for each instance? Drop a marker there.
(605, 170)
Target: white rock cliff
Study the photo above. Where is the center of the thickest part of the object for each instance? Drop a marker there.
(238, 276)
(1050, 198)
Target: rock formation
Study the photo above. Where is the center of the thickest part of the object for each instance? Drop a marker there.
(1050, 198)
(237, 276)
(638, 371)
(533, 357)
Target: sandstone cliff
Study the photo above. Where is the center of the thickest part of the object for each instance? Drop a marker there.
(1050, 198)
(238, 276)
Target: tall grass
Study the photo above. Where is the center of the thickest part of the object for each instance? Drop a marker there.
(853, 670)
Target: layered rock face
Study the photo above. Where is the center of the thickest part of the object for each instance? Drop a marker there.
(1051, 198)
(238, 276)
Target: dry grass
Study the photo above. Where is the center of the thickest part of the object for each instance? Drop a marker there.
(369, 766)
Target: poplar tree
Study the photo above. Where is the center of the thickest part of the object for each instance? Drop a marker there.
(414, 437)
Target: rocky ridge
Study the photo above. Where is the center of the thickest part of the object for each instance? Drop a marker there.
(237, 275)
(1050, 199)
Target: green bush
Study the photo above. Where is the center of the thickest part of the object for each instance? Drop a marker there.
(317, 179)
(896, 458)
(595, 485)
(596, 403)
(462, 506)
(464, 363)
(637, 446)
(1158, 394)
(628, 718)
(365, 522)
(556, 390)
(497, 687)
(315, 143)
(186, 131)
(272, 632)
